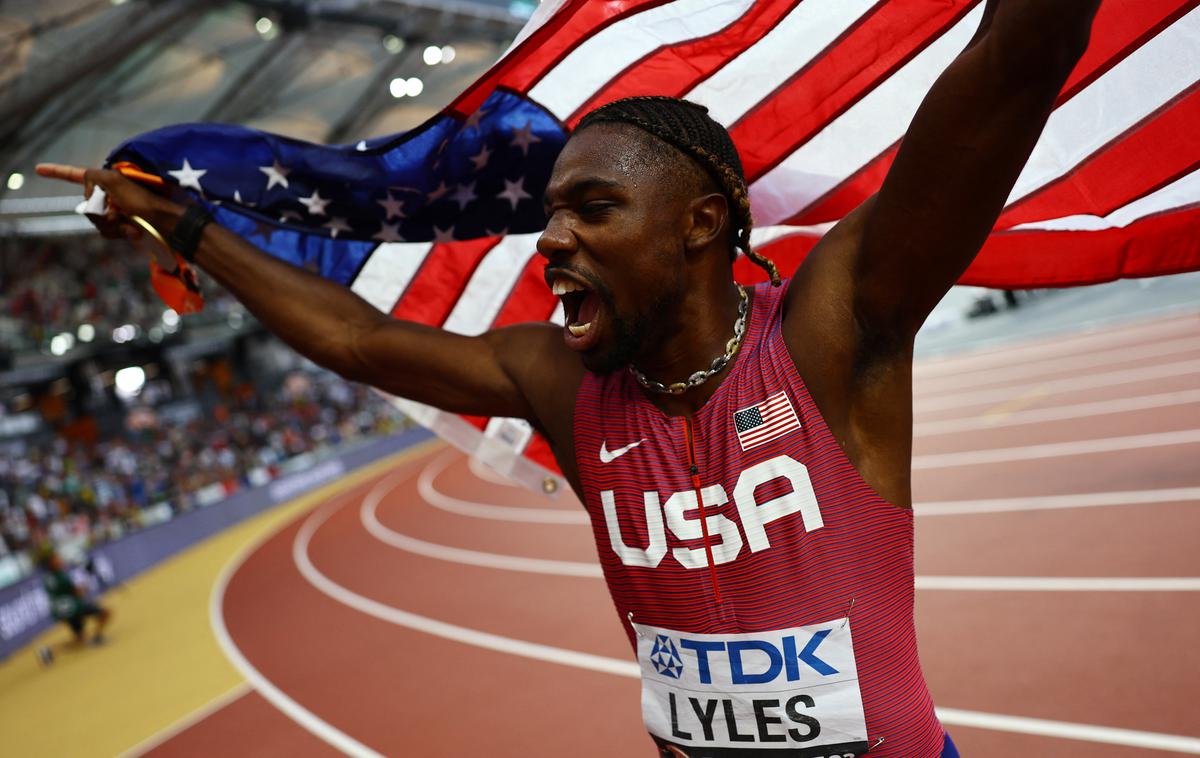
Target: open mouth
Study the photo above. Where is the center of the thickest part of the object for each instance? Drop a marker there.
(581, 307)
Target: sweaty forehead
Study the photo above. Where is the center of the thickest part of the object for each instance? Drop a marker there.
(619, 153)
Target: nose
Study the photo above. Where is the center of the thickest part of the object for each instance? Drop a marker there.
(557, 240)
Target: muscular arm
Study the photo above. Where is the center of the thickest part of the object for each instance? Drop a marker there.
(962, 155)
(855, 305)
(506, 372)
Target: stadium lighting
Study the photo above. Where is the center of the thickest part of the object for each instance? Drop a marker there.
(410, 87)
(124, 333)
(62, 343)
(393, 44)
(265, 27)
(16, 180)
(432, 55)
(129, 381)
(448, 53)
(170, 318)
(117, 2)
(86, 332)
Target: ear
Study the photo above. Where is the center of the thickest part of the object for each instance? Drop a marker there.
(707, 221)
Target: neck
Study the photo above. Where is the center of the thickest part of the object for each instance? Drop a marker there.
(695, 335)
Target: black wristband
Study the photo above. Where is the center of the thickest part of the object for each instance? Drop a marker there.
(186, 236)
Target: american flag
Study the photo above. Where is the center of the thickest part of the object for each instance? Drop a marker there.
(769, 420)
(437, 225)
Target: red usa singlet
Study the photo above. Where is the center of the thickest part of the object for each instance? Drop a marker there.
(773, 614)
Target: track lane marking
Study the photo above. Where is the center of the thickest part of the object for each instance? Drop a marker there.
(954, 400)
(630, 669)
(1056, 413)
(1056, 449)
(188, 720)
(1055, 502)
(1058, 363)
(455, 505)
(369, 518)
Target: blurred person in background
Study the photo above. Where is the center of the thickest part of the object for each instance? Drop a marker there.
(70, 604)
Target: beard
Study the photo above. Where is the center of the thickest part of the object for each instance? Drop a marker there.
(632, 333)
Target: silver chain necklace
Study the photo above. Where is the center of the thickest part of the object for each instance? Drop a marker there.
(700, 377)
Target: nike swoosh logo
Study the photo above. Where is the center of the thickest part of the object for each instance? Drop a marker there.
(607, 457)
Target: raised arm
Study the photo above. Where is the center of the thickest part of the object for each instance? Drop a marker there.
(493, 374)
(962, 155)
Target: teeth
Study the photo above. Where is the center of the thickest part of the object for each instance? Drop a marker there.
(580, 329)
(563, 286)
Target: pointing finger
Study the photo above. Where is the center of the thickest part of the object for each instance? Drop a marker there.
(61, 171)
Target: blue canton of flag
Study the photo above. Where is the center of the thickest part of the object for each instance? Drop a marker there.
(769, 420)
(328, 207)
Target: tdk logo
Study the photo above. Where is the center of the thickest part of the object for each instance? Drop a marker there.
(744, 659)
(665, 657)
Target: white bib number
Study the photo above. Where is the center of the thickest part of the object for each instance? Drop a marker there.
(788, 689)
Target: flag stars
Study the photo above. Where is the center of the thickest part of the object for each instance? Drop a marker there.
(473, 120)
(394, 207)
(480, 159)
(514, 192)
(464, 195)
(443, 235)
(189, 177)
(525, 137)
(336, 225)
(389, 233)
(276, 175)
(289, 215)
(315, 203)
(437, 194)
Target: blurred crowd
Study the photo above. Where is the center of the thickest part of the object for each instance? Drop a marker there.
(85, 289)
(68, 496)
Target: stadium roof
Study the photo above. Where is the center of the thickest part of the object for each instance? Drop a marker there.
(77, 77)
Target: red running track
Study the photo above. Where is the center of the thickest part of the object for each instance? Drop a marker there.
(389, 621)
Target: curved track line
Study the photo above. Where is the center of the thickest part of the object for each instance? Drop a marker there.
(1056, 449)
(618, 667)
(483, 510)
(292, 709)
(442, 629)
(1055, 502)
(188, 720)
(980, 423)
(370, 520)
(368, 515)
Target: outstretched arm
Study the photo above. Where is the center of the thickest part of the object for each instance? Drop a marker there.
(962, 155)
(493, 374)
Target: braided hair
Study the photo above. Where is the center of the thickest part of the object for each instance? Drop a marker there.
(688, 127)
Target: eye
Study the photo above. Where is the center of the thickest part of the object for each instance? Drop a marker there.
(595, 207)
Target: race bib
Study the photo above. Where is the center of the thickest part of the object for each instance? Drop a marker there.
(793, 690)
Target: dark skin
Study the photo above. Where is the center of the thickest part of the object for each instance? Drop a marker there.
(653, 233)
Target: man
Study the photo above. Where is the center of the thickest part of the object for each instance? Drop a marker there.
(70, 605)
(748, 477)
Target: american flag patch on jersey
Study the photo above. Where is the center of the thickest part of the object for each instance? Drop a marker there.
(769, 420)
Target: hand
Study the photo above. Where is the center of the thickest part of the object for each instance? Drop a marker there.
(125, 198)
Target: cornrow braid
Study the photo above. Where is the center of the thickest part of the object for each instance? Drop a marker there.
(688, 127)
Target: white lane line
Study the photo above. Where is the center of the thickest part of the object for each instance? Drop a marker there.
(630, 669)
(1061, 583)
(1051, 348)
(292, 709)
(1057, 413)
(191, 719)
(999, 374)
(1056, 449)
(470, 508)
(1069, 731)
(443, 629)
(370, 520)
(1056, 502)
(948, 401)
(368, 515)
